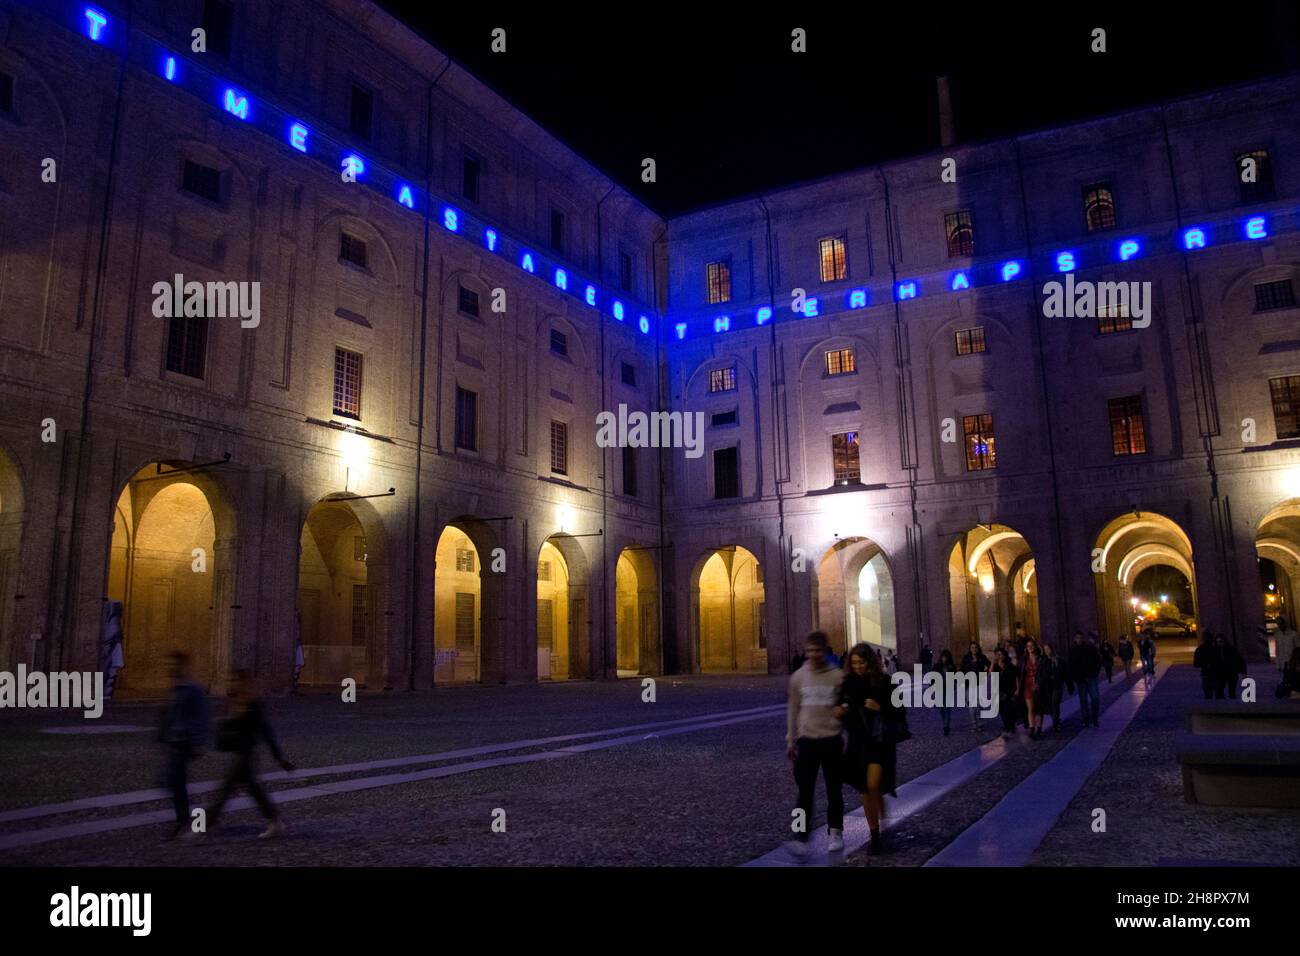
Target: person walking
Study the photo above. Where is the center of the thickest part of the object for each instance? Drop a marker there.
(299, 658)
(239, 735)
(1008, 691)
(182, 730)
(927, 659)
(1206, 660)
(1107, 658)
(110, 647)
(943, 669)
(1286, 641)
(875, 728)
(1059, 678)
(1126, 655)
(813, 742)
(1147, 648)
(1085, 663)
(1035, 689)
(1290, 686)
(974, 662)
(1231, 666)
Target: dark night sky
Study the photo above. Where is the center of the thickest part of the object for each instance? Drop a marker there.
(726, 109)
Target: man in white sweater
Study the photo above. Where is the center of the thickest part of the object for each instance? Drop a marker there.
(813, 741)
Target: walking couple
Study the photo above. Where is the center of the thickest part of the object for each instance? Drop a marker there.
(824, 701)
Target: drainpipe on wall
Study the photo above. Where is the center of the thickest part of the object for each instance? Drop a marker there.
(604, 460)
(661, 306)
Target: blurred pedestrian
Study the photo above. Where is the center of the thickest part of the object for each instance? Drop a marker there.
(1107, 658)
(1059, 678)
(1085, 663)
(183, 730)
(813, 741)
(974, 662)
(1126, 655)
(1008, 691)
(944, 668)
(875, 729)
(240, 734)
(1206, 660)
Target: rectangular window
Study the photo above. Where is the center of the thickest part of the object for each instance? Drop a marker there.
(559, 448)
(1255, 174)
(625, 271)
(465, 617)
(723, 418)
(557, 230)
(629, 470)
(959, 229)
(844, 456)
(465, 560)
(970, 341)
(352, 249)
(1127, 431)
(363, 108)
(1098, 207)
(545, 618)
(1274, 295)
(543, 570)
(980, 454)
(187, 338)
(359, 548)
(202, 181)
(831, 251)
(218, 26)
(1113, 317)
(722, 379)
(1285, 393)
(719, 281)
(359, 615)
(6, 93)
(840, 362)
(467, 301)
(629, 374)
(347, 383)
(466, 419)
(471, 171)
(559, 342)
(726, 473)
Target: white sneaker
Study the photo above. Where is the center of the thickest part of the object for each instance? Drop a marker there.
(271, 832)
(836, 842)
(798, 850)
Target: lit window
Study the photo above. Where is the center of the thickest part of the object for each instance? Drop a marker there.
(970, 341)
(1113, 316)
(1274, 295)
(1098, 207)
(840, 362)
(980, 453)
(831, 251)
(844, 455)
(960, 231)
(719, 281)
(559, 448)
(1285, 393)
(722, 379)
(465, 560)
(1127, 430)
(347, 383)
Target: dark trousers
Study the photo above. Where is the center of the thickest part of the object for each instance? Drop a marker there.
(826, 754)
(1007, 710)
(242, 775)
(1211, 687)
(1089, 701)
(1056, 708)
(177, 777)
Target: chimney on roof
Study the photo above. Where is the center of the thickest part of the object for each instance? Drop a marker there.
(947, 130)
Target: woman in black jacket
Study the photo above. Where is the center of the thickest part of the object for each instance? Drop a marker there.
(240, 735)
(1008, 691)
(874, 725)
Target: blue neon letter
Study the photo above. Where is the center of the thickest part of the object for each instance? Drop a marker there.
(1255, 228)
(1128, 249)
(96, 22)
(527, 262)
(404, 197)
(591, 295)
(170, 71)
(906, 290)
(356, 164)
(681, 330)
(959, 281)
(763, 315)
(237, 103)
(561, 279)
(1065, 262)
(722, 323)
(491, 238)
(857, 299)
(645, 325)
(298, 137)
(1194, 239)
(1010, 270)
(810, 308)
(618, 311)
(450, 219)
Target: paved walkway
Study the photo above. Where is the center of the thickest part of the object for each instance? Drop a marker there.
(1009, 833)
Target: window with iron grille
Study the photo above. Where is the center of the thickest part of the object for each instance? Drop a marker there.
(559, 342)
(724, 418)
(559, 448)
(359, 548)
(347, 383)
(840, 362)
(1098, 207)
(557, 230)
(187, 338)
(6, 93)
(625, 271)
(466, 419)
(467, 301)
(629, 470)
(726, 473)
(1261, 190)
(362, 113)
(1274, 295)
(980, 452)
(970, 341)
(545, 624)
(959, 229)
(722, 379)
(844, 456)
(471, 171)
(218, 26)
(1285, 393)
(1128, 434)
(359, 615)
(543, 570)
(202, 181)
(352, 249)
(831, 252)
(629, 374)
(465, 559)
(1113, 317)
(719, 281)
(465, 621)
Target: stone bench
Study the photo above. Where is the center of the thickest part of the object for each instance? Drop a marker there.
(1240, 770)
(1234, 717)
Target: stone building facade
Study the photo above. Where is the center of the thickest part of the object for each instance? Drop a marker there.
(395, 461)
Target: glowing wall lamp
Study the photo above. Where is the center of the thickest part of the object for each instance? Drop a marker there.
(1010, 270)
(236, 103)
(1256, 228)
(1065, 261)
(1128, 249)
(1194, 238)
(95, 23)
(298, 137)
(905, 290)
(959, 282)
